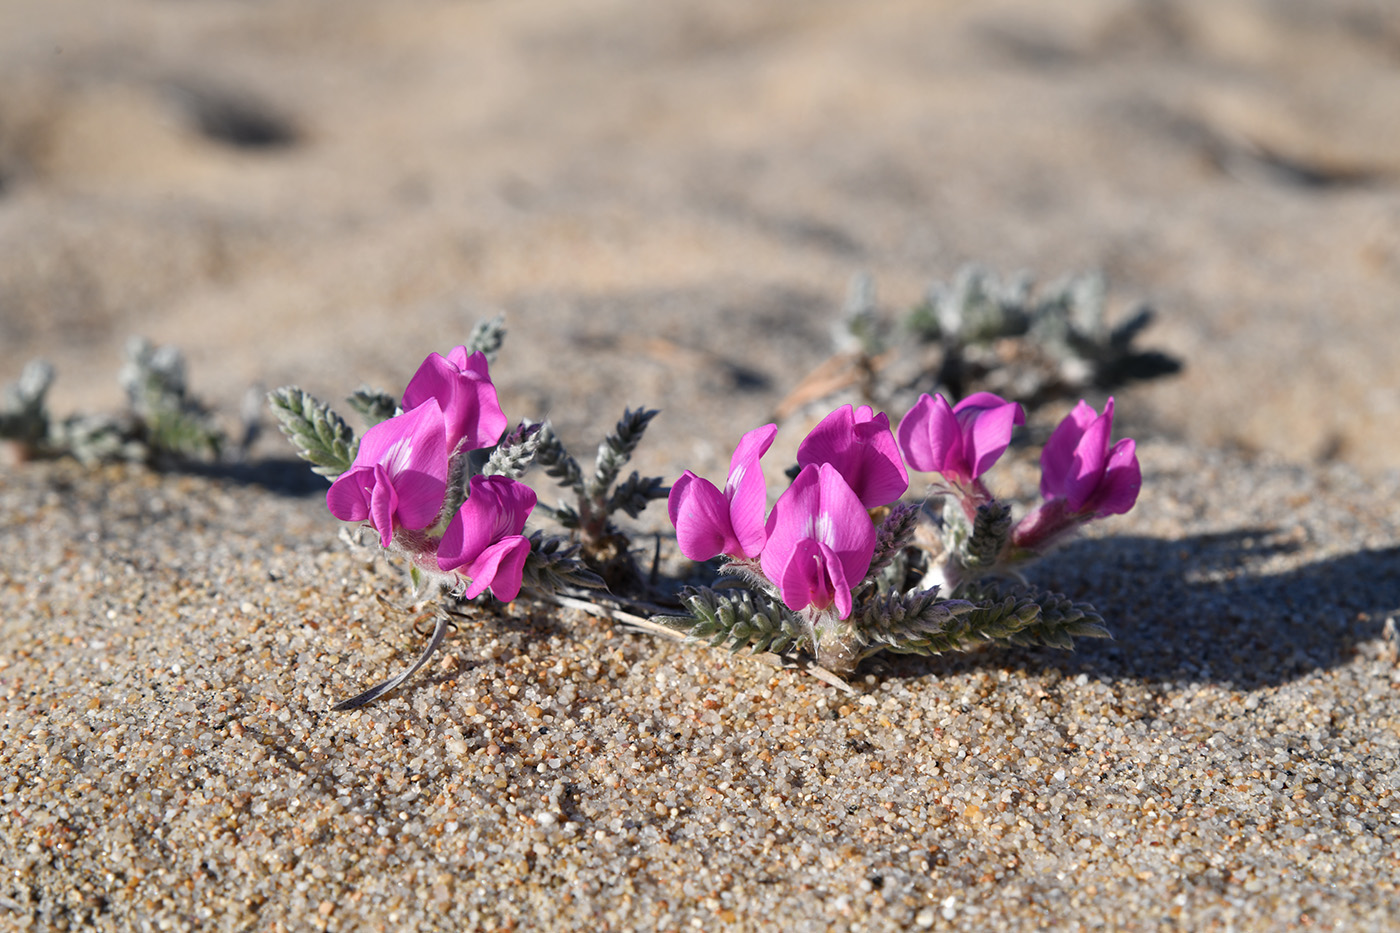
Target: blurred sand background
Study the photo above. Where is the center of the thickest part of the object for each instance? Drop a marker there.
(667, 201)
(316, 192)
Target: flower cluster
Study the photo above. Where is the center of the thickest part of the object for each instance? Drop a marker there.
(836, 551)
(1082, 476)
(436, 477)
(838, 565)
(818, 541)
(399, 481)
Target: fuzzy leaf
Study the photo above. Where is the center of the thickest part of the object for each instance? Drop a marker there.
(740, 619)
(893, 536)
(633, 494)
(487, 337)
(1036, 616)
(991, 529)
(373, 405)
(459, 478)
(922, 623)
(552, 566)
(616, 449)
(565, 515)
(917, 622)
(558, 463)
(22, 413)
(319, 434)
(514, 453)
(169, 420)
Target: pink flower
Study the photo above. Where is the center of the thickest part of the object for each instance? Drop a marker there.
(462, 386)
(709, 522)
(961, 442)
(860, 445)
(1078, 466)
(820, 541)
(399, 476)
(484, 538)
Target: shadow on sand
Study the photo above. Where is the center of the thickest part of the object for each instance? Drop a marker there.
(1202, 608)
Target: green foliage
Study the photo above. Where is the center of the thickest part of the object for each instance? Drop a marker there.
(23, 416)
(459, 479)
(991, 530)
(515, 452)
(982, 332)
(553, 565)
(740, 619)
(634, 493)
(373, 405)
(487, 337)
(616, 450)
(604, 547)
(974, 308)
(885, 617)
(1025, 615)
(917, 622)
(162, 421)
(892, 537)
(318, 433)
(169, 420)
(557, 462)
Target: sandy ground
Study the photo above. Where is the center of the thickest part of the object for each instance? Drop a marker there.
(667, 202)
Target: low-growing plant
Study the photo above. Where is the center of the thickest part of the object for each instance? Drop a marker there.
(984, 333)
(437, 478)
(163, 422)
(839, 567)
(842, 569)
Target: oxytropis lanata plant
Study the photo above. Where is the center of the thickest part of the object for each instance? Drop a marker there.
(839, 567)
(437, 479)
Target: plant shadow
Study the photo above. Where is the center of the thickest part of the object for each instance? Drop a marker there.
(1204, 608)
(283, 476)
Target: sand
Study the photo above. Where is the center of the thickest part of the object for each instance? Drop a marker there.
(668, 203)
(173, 644)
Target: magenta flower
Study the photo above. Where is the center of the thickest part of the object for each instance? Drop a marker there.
(961, 442)
(484, 538)
(861, 446)
(709, 522)
(820, 541)
(399, 475)
(1078, 466)
(462, 386)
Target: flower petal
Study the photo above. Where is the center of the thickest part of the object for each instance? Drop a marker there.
(700, 513)
(858, 443)
(349, 496)
(987, 434)
(383, 504)
(930, 438)
(819, 510)
(881, 478)
(501, 567)
(803, 580)
(1057, 458)
(1090, 458)
(747, 490)
(1122, 480)
(462, 386)
(830, 440)
(836, 567)
(813, 576)
(843, 523)
(496, 507)
(792, 520)
(413, 438)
